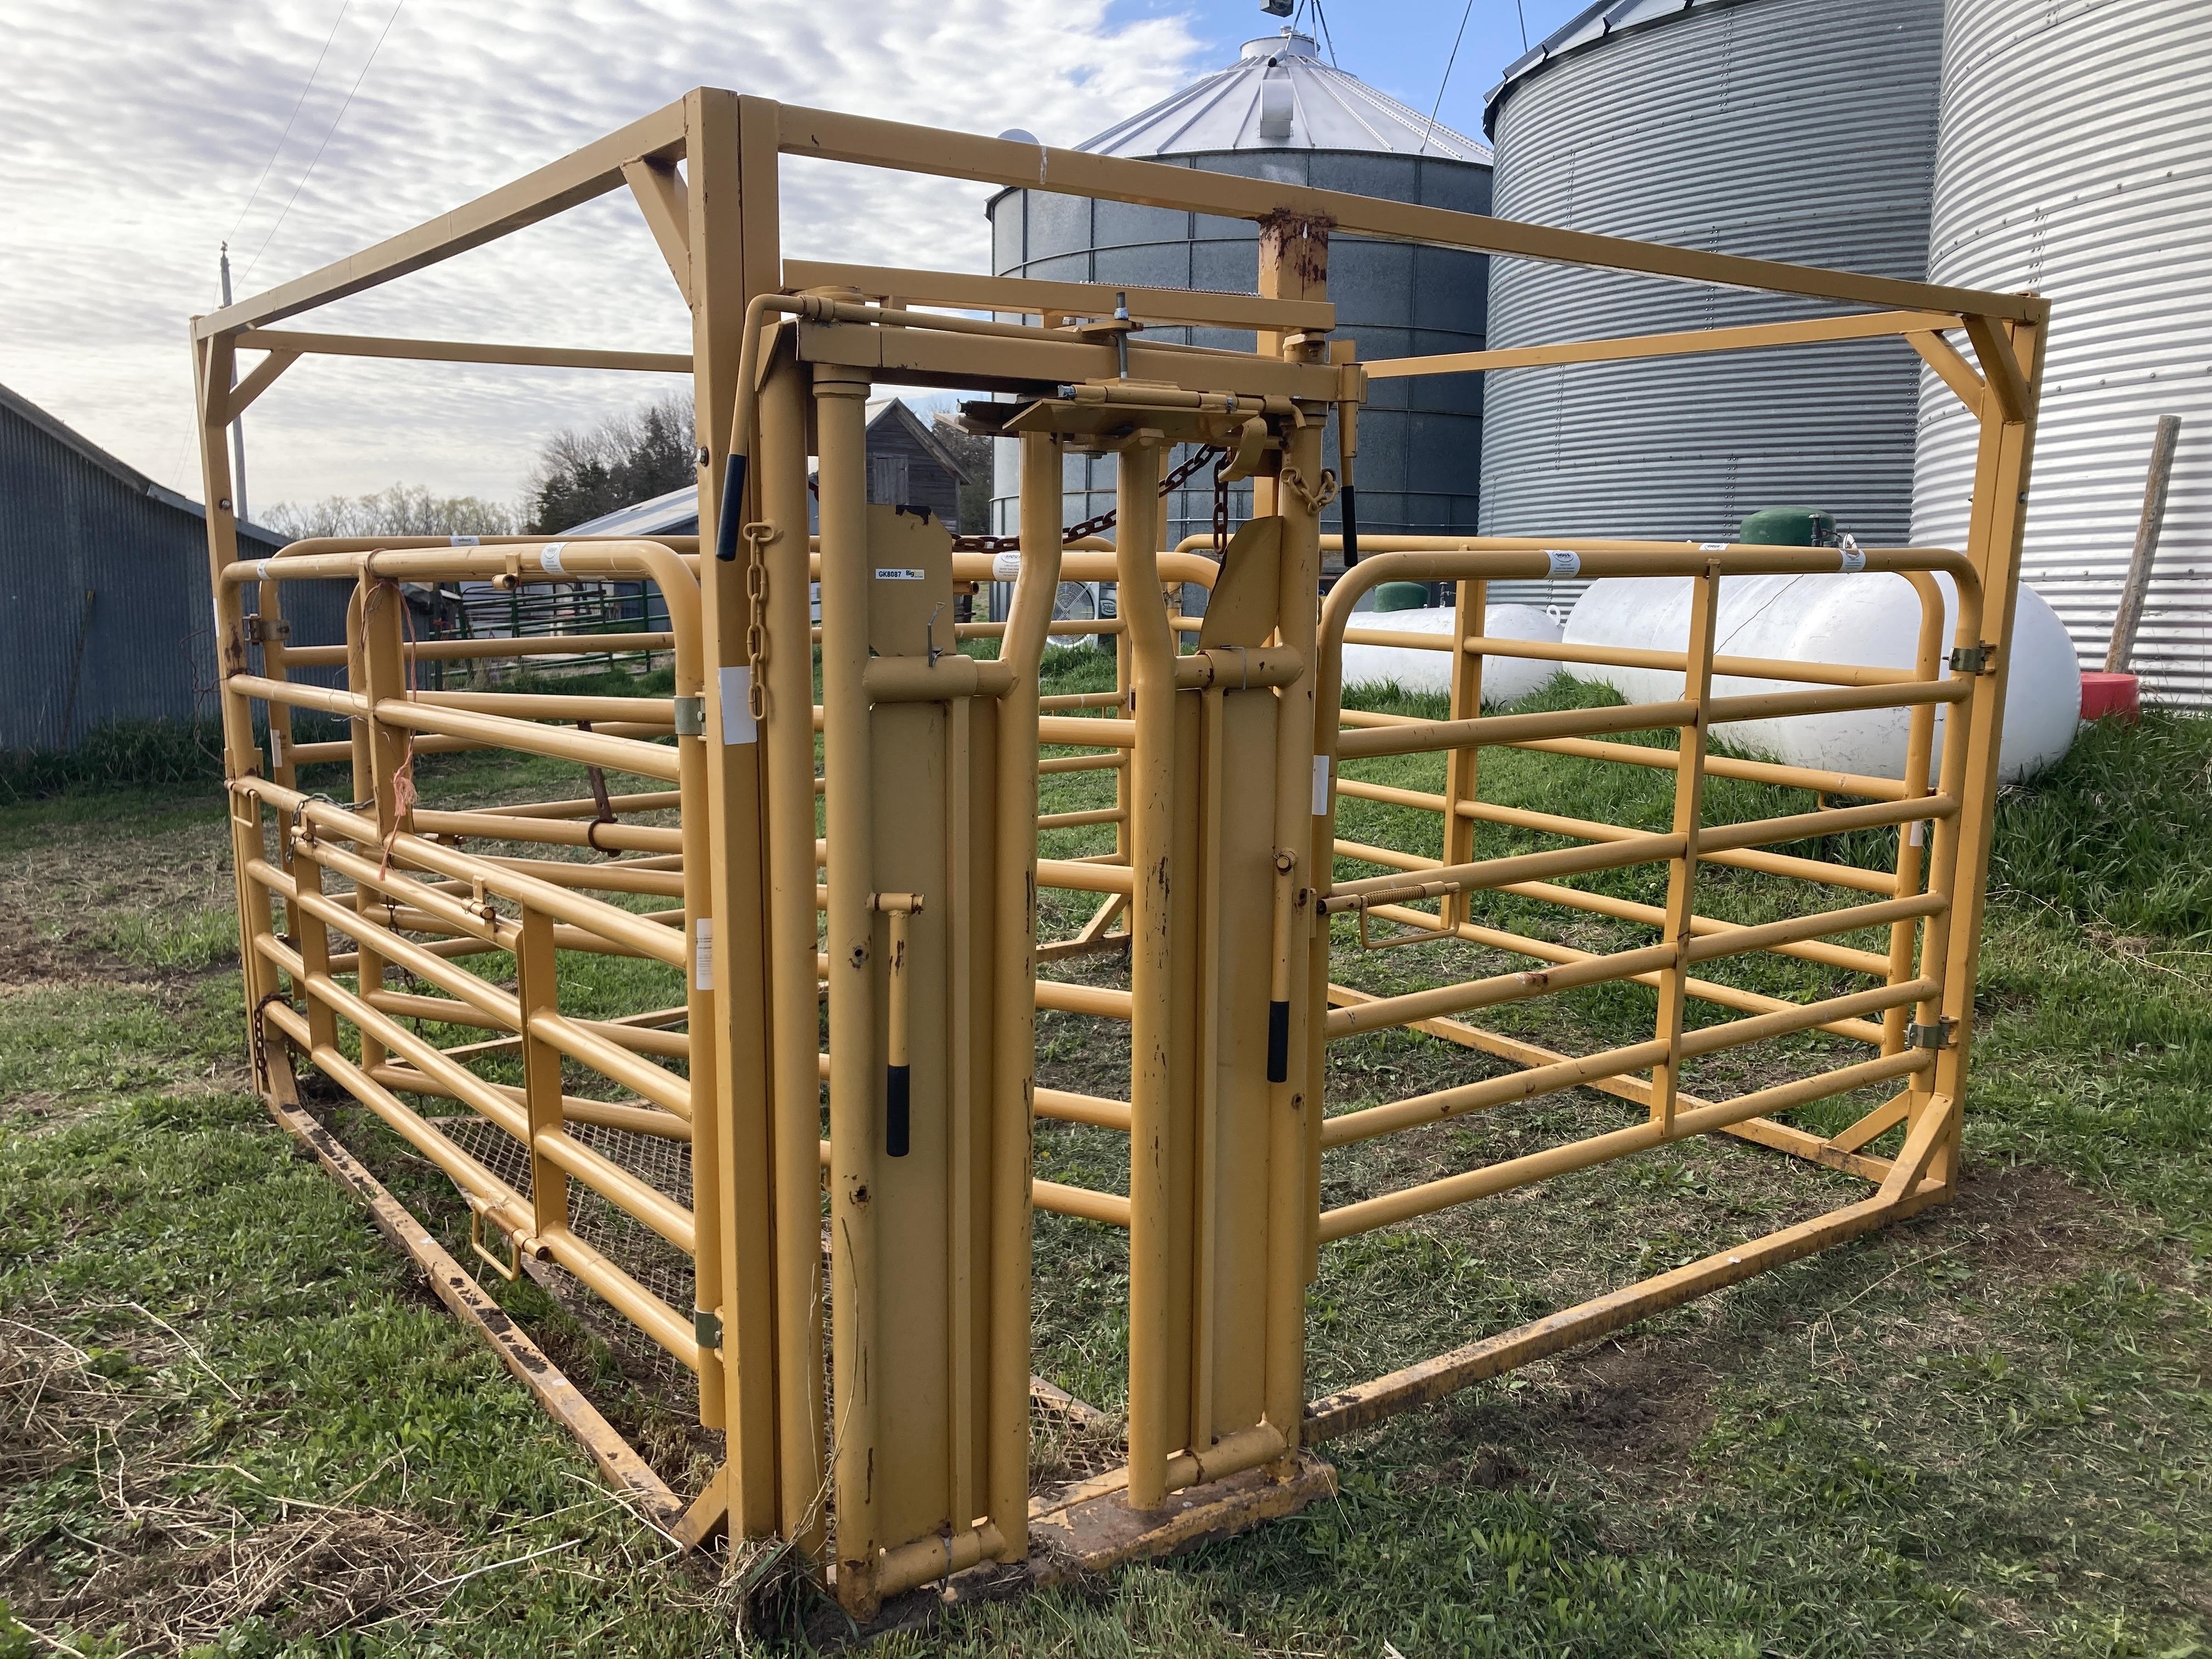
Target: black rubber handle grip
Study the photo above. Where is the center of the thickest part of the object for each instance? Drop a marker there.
(1349, 497)
(1278, 1042)
(733, 510)
(898, 1117)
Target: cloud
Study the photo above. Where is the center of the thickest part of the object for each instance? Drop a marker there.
(132, 133)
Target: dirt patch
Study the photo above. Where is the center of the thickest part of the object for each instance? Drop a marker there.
(164, 1561)
(1637, 1404)
(2022, 1222)
(33, 958)
(187, 1577)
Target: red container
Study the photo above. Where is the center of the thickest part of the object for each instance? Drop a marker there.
(2110, 697)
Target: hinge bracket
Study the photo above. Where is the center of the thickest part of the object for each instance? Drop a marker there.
(690, 717)
(262, 630)
(1973, 659)
(1937, 1036)
(707, 1327)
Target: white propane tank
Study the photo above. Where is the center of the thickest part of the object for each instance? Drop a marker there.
(1505, 679)
(1871, 620)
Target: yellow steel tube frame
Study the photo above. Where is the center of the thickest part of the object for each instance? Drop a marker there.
(752, 1097)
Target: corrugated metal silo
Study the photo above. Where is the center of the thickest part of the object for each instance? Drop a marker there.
(1794, 130)
(1282, 113)
(2077, 160)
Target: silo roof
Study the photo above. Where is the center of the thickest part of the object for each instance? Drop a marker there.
(1587, 27)
(1278, 95)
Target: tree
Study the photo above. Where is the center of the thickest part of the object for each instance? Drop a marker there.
(399, 510)
(625, 459)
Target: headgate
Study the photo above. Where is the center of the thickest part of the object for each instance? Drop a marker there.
(773, 1002)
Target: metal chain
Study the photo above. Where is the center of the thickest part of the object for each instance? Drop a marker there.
(1221, 510)
(1075, 532)
(1314, 500)
(757, 536)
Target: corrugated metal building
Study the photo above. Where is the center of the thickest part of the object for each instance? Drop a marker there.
(105, 611)
(1282, 113)
(2077, 160)
(1793, 130)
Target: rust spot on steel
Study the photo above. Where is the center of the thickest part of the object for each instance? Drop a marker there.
(1300, 241)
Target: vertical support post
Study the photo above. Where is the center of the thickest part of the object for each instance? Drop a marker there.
(314, 936)
(1911, 855)
(383, 673)
(2000, 512)
(1153, 1258)
(1689, 812)
(730, 167)
(214, 362)
(795, 1008)
(537, 973)
(1294, 1101)
(1471, 607)
(1014, 988)
(843, 439)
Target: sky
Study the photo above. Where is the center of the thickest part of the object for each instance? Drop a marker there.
(137, 136)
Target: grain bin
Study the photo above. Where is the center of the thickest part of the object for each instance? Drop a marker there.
(1794, 130)
(1280, 112)
(2075, 158)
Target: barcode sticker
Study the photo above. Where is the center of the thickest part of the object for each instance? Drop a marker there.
(261, 570)
(1564, 563)
(1850, 560)
(465, 541)
(1005, 567)
(275, 747)
(1321, 786)
(1712, 547)
(738, 723)
(549, 559)
(902, 574)
(702, 954)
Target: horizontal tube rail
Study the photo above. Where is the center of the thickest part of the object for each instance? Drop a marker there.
(1721, 996)
(1419, 1109)
(1425, 1200)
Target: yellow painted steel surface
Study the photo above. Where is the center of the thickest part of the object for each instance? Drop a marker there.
(894, 1414)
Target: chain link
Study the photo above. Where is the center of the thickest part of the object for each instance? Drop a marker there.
(757, 536)
(1076, 532)
(1221, 510)
(1314, 500)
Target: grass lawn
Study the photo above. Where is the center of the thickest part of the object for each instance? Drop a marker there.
(232, 1421)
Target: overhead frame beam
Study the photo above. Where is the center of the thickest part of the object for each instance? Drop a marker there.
(461, 352)
(1809, 331)
(591, 171)
(1032, 296)
(865, 141)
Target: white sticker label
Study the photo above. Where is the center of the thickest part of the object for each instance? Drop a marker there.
(275, 747)
(1005, 567)
(549, 559)
(261, 570)
(702, 954)
(738, 723)
(1919, 831)
(465, 541)
(1321, 786)
(1712, 547)
(1850, 560)
(1564, 564)
(903, 574)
